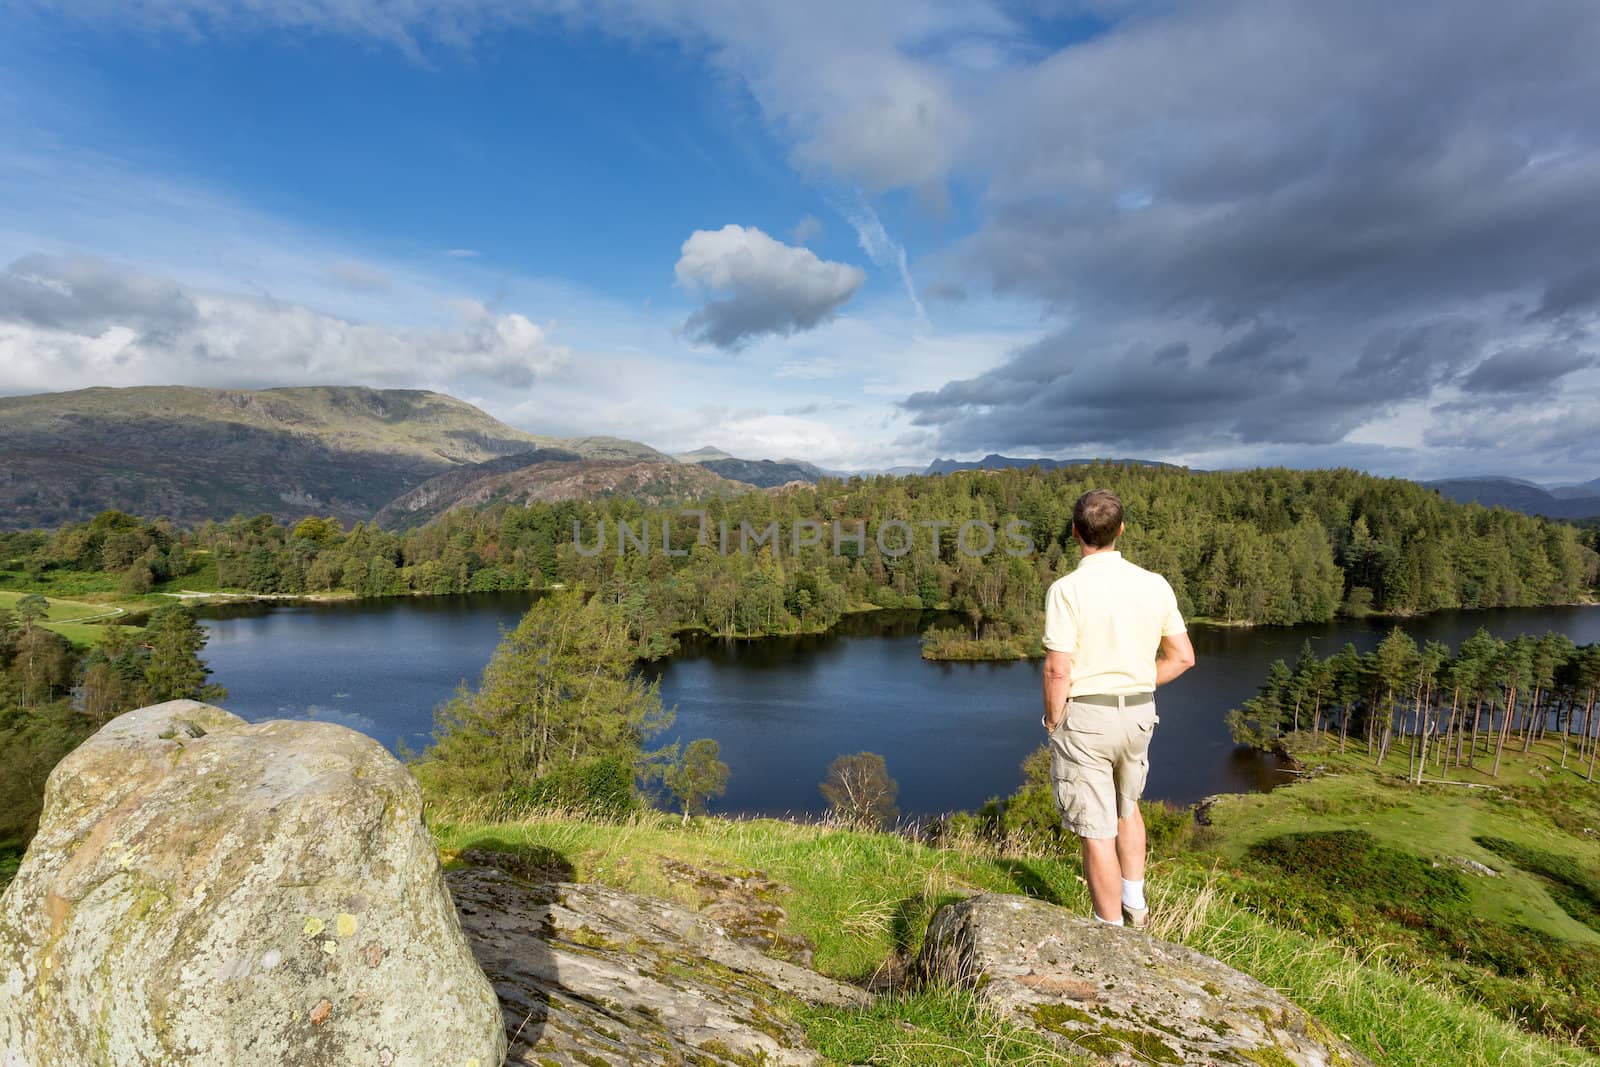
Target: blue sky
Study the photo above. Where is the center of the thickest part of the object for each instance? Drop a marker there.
(866, 234)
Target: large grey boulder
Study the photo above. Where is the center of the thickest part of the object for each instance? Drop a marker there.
(202, 890)
(589, 976)
(1118, 993)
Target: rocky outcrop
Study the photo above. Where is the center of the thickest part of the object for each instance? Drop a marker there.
(1117, 993)
(592, 976)
(744, 904)
(202, 890)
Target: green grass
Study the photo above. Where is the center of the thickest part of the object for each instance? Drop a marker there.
(59, 610)
(1577, 890)
(859, 898)
(864, 900)
(1441, 823)
(925, 1028)
(1392, 1015)
(63, 616)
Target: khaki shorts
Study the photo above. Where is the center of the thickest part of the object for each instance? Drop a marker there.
(1099, 759)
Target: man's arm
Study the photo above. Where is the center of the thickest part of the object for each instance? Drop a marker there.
(1057, 687)
(1175, 656)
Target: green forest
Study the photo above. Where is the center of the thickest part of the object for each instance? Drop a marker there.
(1450, 709)
(1262, 546)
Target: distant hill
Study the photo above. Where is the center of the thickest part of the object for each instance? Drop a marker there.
(195, 454)
(1515, 494)
(701, 455)
(540, 477)
(770, 473)
(994, 461)
(763, 473)
(1576, 492)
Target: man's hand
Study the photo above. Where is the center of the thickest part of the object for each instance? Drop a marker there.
(1057, 687)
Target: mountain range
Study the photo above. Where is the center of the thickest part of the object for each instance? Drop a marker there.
(403, 457)
(195, 454)
(1580, 501)
(994, 461)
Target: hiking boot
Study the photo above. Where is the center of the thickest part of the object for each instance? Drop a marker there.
(1135, 917)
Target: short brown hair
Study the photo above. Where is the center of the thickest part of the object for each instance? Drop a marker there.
(1097, 517)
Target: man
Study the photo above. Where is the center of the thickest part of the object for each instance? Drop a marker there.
(1112, 634)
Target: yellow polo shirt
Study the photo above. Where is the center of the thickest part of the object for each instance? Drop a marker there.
(1110, 615)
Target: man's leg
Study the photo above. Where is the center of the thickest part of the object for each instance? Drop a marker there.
(1130, 857)
(1132, 768)
(1104, 874)
(1130, 846)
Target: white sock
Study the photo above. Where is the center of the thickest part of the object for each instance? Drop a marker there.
(1109, 922)
(1133, 894)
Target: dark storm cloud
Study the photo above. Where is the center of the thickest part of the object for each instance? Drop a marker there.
(1262, 346)
(1525, 370)
(1576, 292)
(1076, 387)
(1343, 205)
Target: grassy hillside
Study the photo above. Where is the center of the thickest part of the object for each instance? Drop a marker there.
(76, 620)
(1535, 803)
(195, 454)
(864, 901)
(1440, 924)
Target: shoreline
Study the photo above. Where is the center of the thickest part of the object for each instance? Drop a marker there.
(120, 606)
(1398, 618)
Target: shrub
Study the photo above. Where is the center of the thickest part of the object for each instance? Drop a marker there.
(860, 792)
(1358, 869)
(601, 786)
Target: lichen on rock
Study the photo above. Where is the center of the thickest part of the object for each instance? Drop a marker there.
(1116, 993)
(194, 895)
(589, 975)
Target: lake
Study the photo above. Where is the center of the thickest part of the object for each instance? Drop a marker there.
(953, 734)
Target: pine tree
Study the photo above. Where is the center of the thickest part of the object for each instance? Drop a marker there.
(174, 669)
(559, 689)
(1398, 664)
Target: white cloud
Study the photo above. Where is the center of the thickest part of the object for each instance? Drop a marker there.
(462, 253)
(74, 322)
(770, 287)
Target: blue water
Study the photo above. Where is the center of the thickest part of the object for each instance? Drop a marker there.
(953, 734)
